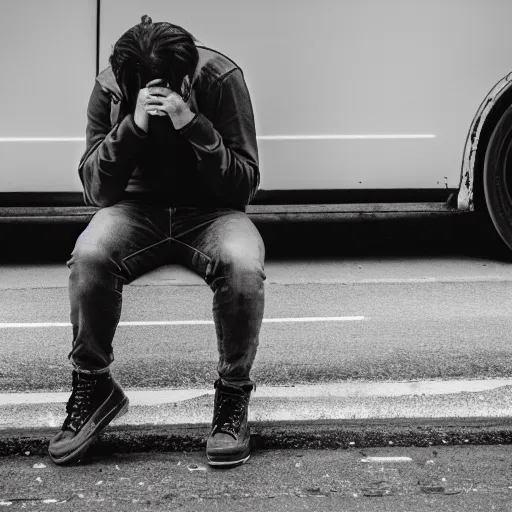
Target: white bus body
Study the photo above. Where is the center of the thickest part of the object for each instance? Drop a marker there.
(349, 95)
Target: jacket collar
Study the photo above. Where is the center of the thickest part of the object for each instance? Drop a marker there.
(108, 83)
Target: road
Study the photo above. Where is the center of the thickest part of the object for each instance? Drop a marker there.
(377, 324)
(313, 333)
(455, 479)
(416, 300)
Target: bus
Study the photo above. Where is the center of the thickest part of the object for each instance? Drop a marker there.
(376, 103)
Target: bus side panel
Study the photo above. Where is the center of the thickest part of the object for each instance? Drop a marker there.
(410, 69)
(48, 70)
(348, 164)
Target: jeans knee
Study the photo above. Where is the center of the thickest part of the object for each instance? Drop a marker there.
(90, 264)
(240, 270)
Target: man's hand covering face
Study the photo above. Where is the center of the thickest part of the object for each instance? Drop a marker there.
(157, 99)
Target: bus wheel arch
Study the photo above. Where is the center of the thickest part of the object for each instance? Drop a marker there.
(471, 194)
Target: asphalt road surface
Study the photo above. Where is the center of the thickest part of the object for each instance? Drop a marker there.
(401, 331)
(449, 318)
(455, 479)
(380, 301)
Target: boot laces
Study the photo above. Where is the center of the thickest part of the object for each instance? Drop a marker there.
(230, 412)
(80, 404)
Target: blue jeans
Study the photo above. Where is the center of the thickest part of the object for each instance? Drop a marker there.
(130, 238)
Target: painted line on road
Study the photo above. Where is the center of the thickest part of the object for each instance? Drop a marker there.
(390, 280)
(137, 397)
(387, 459)
(315, 319)
(419, 280)
(29, 325)
(354, 389)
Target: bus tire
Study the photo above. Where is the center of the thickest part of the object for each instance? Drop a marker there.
(497, 177)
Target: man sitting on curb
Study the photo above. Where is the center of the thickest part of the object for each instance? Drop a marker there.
(171, 158)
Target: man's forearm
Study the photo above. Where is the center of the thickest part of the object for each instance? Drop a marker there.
(226, 145)
(231, 171)
(105, 172)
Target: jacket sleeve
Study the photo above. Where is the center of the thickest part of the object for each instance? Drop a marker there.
(226, 145)
(111, 153)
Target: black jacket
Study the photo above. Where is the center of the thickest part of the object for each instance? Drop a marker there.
(210, 162)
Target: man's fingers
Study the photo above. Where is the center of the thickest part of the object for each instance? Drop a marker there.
(159, 91)
(155, 109)
(156, 113)
(153, 100)
(156, 81)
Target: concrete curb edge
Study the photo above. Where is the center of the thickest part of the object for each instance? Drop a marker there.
(336, 434)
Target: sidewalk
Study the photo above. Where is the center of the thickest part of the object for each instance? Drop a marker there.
(316, 416)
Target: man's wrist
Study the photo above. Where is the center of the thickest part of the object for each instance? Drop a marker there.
(182, 119)
(141, 121)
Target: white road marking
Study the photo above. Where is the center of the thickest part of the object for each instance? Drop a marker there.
(196, 467)
(315, 319)
(42, 139)
(137, 397)
(149, 397)
(387, 459)
(349, 136)
(419, 280)
(34, 324)
(375, 136)
(29, 325)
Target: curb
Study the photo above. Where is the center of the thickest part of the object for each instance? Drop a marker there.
(336, 434)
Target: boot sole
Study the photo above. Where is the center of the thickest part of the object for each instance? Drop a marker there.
(225, 463)
(241, 459)
(76, 456)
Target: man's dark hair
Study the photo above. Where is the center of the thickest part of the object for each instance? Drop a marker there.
(153, 50)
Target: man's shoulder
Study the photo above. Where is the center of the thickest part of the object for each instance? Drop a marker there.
(213, 65)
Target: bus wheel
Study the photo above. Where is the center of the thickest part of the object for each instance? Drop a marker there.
(498, 177)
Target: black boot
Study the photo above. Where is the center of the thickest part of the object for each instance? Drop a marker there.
(96, 399)
(229, 440)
